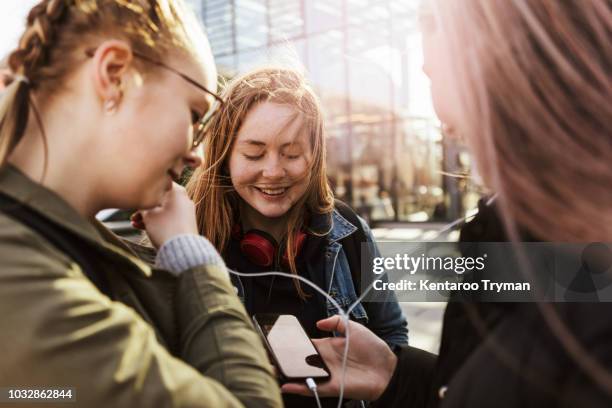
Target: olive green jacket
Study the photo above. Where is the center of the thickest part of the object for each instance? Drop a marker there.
(163, 342)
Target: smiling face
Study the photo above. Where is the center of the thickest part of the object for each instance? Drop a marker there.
(270, 158)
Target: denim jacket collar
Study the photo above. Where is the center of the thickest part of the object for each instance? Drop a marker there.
(334, 225)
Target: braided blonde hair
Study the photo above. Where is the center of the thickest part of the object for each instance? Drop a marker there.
(58, 32)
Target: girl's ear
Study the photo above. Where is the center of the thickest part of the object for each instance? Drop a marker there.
(111, 61)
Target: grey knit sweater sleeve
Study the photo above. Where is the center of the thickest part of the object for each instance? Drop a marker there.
(185, 252)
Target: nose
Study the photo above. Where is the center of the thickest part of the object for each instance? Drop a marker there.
(192, 159)
(273, 168)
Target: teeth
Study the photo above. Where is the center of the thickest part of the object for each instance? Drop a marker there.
(277, 191)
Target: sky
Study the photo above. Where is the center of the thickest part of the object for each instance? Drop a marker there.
(12, 22)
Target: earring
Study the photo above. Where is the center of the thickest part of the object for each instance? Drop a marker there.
(110, 106)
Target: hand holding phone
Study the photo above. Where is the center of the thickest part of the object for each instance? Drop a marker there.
(369, 368)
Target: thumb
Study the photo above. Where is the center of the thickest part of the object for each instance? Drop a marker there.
(334, 323)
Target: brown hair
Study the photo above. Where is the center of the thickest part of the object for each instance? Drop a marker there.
(217, 203)
(535, 82)
(59, 31)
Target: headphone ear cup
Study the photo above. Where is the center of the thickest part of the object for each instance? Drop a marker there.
(259, 247)
(300, 238)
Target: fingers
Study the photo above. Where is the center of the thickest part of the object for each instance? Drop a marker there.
(328, 344)
(137, 220)
(300, 389)
(332, 351)
(332, 324)
(326, 389)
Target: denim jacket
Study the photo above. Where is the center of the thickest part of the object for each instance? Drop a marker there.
(383, 318)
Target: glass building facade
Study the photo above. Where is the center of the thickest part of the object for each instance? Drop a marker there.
(386, 154)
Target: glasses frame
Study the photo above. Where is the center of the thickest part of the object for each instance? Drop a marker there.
(202, 123)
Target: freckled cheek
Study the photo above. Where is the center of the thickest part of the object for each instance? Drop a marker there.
(298, 169)
(242, 174)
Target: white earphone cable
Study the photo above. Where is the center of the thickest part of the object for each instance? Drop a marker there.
(344, 315)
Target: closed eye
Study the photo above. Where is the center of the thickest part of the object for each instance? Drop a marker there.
(292, 153)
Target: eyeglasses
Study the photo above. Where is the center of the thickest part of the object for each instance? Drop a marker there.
(201, 124)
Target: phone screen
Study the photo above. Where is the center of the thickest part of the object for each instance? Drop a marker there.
(293, 351)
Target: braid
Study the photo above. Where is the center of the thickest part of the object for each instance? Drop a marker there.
(56, 36)
(30, 55)
(42, 26)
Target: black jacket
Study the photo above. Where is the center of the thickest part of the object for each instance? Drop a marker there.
(504, 354)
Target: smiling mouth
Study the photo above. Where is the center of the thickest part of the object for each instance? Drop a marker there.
(272, 191)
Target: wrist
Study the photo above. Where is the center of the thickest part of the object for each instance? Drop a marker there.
(388, 366)
(160, 237)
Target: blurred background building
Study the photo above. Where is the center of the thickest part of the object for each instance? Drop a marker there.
(387, 156)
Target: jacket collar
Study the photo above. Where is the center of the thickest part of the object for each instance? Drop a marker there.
(21, 188)
(334, 225)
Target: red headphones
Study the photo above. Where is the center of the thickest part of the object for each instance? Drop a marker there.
(261, 248)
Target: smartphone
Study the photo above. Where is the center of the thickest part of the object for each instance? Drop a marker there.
(293, 353)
